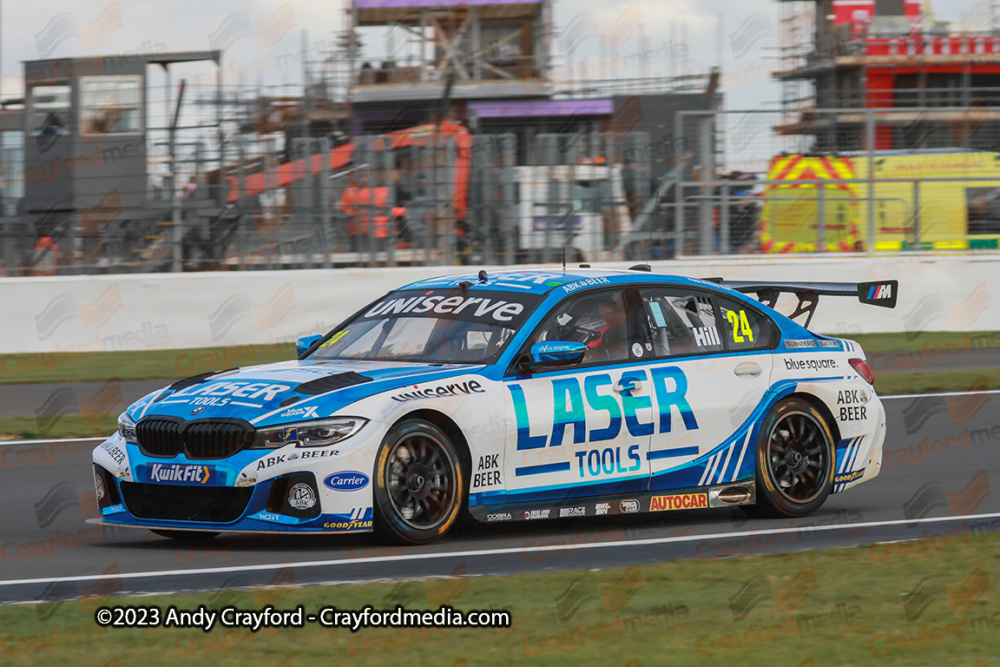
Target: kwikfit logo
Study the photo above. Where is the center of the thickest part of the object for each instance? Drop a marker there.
(180, 474)
(811, 364)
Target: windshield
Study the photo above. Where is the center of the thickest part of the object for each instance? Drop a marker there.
(445, 326)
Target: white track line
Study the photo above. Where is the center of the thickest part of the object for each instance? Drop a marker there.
(11, 443)
(942, 393)
(496, 552)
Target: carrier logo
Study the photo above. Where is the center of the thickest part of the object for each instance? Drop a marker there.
(629, 506)
(681, 501)
(347, 481)
(180, 473)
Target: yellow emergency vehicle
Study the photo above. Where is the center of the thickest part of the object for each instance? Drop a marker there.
(911, 208)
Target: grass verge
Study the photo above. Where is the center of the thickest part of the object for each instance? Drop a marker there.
(785, 609)
(134, 365)
(171, 364)
(66, 426)
(60, 367)
(887, 384)
(905, 342)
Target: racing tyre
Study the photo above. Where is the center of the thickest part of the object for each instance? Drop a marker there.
(419, 484)
(795, 460)
(185, 535)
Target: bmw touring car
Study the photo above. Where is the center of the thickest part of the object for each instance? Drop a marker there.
(516, 396)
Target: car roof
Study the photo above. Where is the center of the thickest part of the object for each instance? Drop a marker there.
(543, 281)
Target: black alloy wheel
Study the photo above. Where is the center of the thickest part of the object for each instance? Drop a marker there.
(795, 459)
(419, 483)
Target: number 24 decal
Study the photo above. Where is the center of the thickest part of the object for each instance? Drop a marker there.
(741, 326)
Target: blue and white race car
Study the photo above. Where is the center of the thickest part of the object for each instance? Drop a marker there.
(511, 397)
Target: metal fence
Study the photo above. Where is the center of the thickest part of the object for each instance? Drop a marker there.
(816, 181)
(442, 199)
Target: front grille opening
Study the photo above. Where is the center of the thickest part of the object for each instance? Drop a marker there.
(108, 484)
(216, 439)
(185, 503)
(277, 500)
(159, 436)
(199, 439)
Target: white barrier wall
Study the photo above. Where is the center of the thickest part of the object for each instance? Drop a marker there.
(160, 311)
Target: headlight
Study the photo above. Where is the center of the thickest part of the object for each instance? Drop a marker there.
(126, 428)
(318, 433)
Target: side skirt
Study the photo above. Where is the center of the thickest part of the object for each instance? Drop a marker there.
(723, 495)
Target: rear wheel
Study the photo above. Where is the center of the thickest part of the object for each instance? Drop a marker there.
(795, 459)
(186, 535)
(419, 484)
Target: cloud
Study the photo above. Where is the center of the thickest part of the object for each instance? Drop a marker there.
(183, 25)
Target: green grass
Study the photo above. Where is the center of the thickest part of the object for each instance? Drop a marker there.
(171, 364)
(136, 365)
(887, 384)
(66, 426)
(76, 426)
(828, 607)
(900, 342)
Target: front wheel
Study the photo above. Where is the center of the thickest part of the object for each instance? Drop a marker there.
(795, 459)
(419, 484)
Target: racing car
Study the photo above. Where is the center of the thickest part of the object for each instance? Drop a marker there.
(507, 397)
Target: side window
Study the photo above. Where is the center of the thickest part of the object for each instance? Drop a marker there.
(598, 320)
(681, 322)
(743, 327)
(50, 108)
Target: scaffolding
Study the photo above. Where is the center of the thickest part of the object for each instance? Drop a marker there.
(893, 59)
(241, 176)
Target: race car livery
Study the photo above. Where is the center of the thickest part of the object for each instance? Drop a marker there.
(517, 396)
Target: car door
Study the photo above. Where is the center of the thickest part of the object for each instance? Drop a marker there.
(582, 431)
(710, 367)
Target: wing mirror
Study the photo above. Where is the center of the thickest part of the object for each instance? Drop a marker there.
(303, 344)
(554, 354)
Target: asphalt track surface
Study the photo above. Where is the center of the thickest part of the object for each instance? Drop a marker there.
(941, 454)
(47, 400)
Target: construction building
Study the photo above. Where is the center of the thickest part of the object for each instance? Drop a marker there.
(458, 142)
(927, 83)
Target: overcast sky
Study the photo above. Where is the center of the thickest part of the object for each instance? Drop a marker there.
(262, 38)
(254, 29)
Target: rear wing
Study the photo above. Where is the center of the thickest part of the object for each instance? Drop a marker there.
(875, 294)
